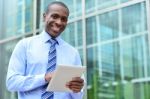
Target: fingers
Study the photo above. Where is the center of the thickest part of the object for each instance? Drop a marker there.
(75, 89)
(48, 76)
(77, 79)
(76, 84)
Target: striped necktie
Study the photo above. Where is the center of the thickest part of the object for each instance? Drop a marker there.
(51, 67)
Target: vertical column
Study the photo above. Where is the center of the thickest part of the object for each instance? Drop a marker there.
(148, 25)
(34, 16)
(142, 8)
(84, 44)
(23, 18)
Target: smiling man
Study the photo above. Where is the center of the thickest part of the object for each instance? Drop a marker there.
(34, 59)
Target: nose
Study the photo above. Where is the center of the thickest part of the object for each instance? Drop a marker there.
(58, 22)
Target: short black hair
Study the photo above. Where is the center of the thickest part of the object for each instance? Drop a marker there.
(58, 3)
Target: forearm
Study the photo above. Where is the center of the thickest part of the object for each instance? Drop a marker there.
(24, 83)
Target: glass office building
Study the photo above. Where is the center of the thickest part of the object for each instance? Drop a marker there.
(112, 36)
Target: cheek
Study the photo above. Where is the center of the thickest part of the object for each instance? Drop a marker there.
(49, 20)
(65, 24)
(49, 23)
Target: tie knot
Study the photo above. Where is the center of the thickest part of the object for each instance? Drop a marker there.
(53, 41)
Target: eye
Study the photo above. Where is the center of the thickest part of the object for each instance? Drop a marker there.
(64, 19)
(55, 16)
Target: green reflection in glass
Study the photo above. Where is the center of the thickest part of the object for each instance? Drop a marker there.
(93, 72)
(137, 90)
(133, 57)
(147, 53)
(110, 82)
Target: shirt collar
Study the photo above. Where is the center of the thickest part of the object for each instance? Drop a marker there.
(46, 37)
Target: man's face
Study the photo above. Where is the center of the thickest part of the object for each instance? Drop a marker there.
(56, 20)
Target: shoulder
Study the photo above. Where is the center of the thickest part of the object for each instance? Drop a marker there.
(32, 39)
(29, 40)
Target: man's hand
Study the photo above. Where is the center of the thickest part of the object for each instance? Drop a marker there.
(76, 84)
(48, 76)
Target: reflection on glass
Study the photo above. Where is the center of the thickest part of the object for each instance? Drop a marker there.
(134, 19)
(90, 6)
(147, 53)
(78, 8)
(10, 24)
(69, 34)
(28, 16)
(111, 76)
(101, 4)
(73, 34)
(81, 54)
(79, 37)
(133, 58)
(109, 29)
(75, 8)
(125, 0)
(91, 30)
(19, 16)
(19, 23)
(46, 2)
(93, 5)
(93, 72)
(70, 5)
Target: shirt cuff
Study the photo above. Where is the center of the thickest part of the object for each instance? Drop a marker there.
(41, 79)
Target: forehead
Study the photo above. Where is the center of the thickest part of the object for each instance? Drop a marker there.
(59, 9)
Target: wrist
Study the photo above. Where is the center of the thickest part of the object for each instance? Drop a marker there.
(48, 77)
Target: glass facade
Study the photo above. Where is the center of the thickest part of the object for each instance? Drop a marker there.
(112, 37)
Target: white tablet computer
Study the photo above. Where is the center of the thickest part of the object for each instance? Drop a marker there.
(62, 75)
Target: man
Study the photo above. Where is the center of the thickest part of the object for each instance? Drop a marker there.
(28, 72)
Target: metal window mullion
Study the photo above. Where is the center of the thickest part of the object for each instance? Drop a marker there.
(99, 48)
(76, 35)
(34, 16)
(144, 59)
(120, 43)
(84, 44)
(148, 27)
(122, 5)
(143, 43)
(23, 18)
(84, 32)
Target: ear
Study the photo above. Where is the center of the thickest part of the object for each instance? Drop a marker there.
(44, 16)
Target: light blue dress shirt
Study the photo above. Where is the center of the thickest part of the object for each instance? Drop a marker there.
(28, 65)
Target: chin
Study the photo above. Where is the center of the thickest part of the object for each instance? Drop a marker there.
(55, 35)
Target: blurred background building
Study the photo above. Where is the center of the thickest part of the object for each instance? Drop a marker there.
(112, 37)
